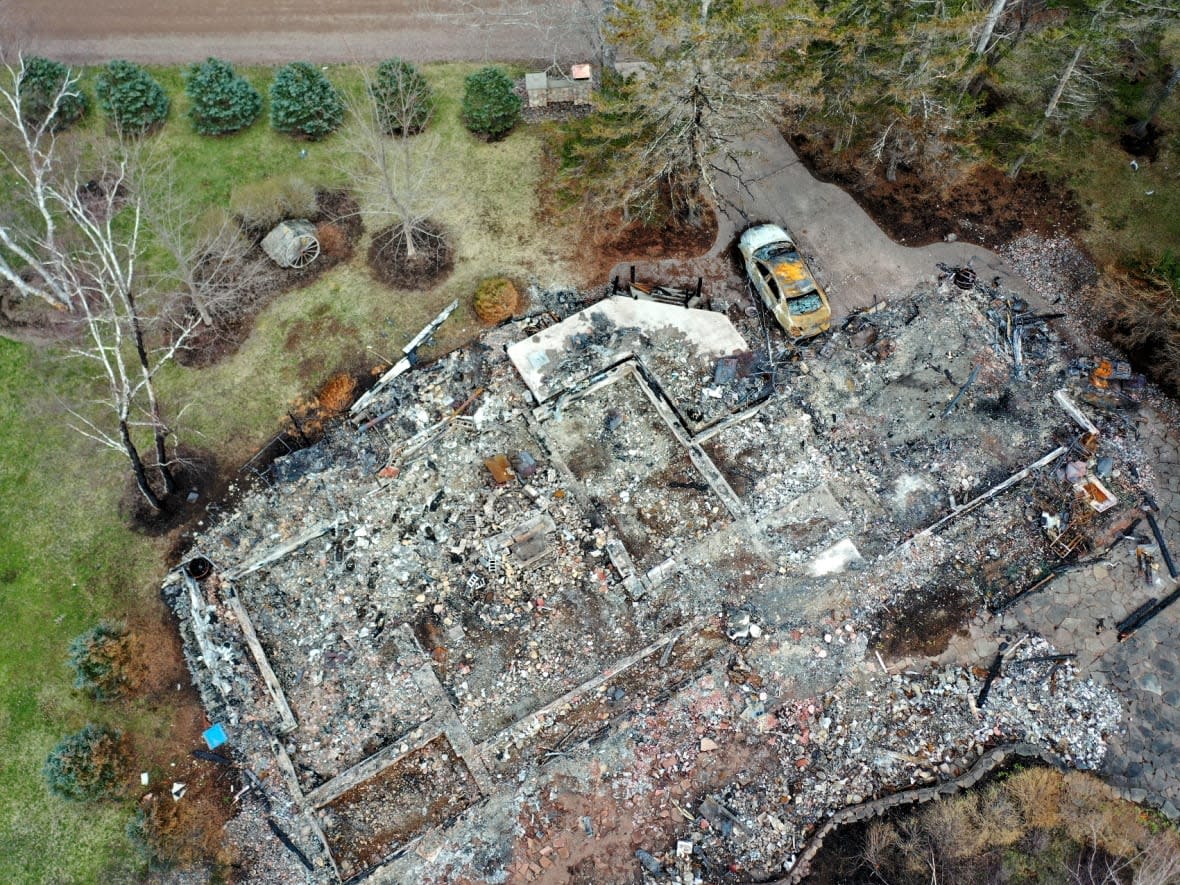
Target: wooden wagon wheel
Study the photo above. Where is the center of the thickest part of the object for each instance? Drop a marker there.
(308, 251)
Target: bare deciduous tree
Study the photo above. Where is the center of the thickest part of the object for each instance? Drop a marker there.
(102, 268)
(76, 241)
(396, 175)
(709, 66)
(212, 263)
(28, 223)
(1159, 862)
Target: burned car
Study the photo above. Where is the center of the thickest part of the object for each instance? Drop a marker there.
(784, 282)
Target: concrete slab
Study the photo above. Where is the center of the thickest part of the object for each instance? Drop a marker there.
(619, 325)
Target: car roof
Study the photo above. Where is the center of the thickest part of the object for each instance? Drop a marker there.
(763, 235)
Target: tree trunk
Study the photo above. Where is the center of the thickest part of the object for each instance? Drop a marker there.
(989, 25)
(1139, 130)
(165, 471)
(408, 233)
(159, 431)
(137, 468)
(1050, 110)
(198, 300)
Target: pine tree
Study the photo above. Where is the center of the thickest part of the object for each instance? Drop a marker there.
(130, 97)
(220, 101)
(490, 106)
(41, 88)
(86, 765)
(304, 103)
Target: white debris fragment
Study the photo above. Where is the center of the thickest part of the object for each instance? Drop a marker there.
(835, 559)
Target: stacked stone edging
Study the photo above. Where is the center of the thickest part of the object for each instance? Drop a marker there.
(986, 763)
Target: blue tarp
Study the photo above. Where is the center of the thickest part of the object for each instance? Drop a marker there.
(215, 736)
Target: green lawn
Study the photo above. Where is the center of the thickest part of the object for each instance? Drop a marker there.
(346, 318)
(66, 560)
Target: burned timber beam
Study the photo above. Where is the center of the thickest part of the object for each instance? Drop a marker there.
(950, 407)
(992, 672)
(995, 490)
(1071, 409)
(1159, 540)
(268, 675)
(279, 552)
(1145, 613)
(290, 845)
(406, 363)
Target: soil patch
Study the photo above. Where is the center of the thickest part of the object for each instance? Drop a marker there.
(187, 832)
(32, 321)
(605, 238)
(1145, 146)
(419, 791)
(981, 205)
(196, 472)
(433, 261)
(924, 622)
(258, 280)
(319, 326)
(612, 241)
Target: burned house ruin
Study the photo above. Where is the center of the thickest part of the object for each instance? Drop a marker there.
(615, 528)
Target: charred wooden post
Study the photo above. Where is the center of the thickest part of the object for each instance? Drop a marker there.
(1044, 659)
(1159, 540)
(286, 840)
(992, 673)
(1145, 613)
(950, 407)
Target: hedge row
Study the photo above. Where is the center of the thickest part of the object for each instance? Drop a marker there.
(303, 102)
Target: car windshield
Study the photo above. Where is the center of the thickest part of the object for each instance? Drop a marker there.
(775, 251)
(809, 303)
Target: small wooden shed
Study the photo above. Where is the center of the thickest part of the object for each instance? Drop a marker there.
(545, 88)
(292, 243)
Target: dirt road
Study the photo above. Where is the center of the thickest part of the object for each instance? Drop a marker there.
(148, 31)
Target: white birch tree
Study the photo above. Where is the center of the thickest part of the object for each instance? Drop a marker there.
(28, 219)
(124, 343)
(73, 236)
